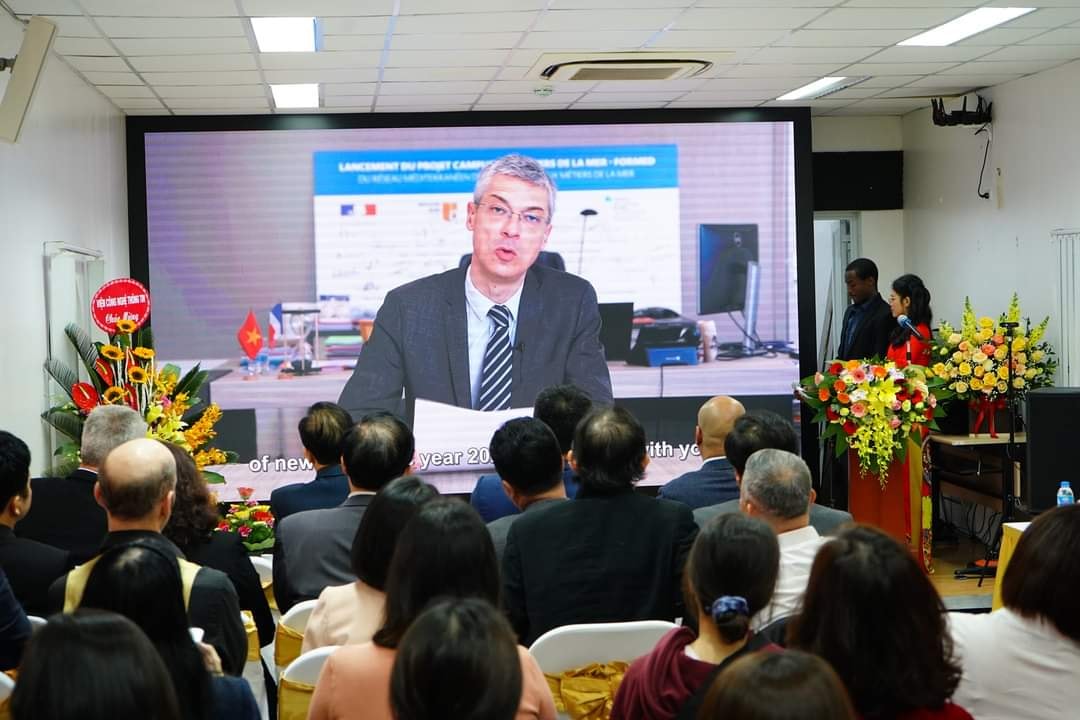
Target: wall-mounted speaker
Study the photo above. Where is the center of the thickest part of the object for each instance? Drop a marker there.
(36, 43)
(1053, 426)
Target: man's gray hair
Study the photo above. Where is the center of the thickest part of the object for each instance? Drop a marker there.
(520, 167)
(778, 482)
(109, 426)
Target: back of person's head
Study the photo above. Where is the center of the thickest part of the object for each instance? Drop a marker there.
(107, 427)
(561, 408)
(143, 584)
(863, 268)
(731, 572)
(376, 450)
(14, 468)
(1043, 565)
(871, 611)
(322, 429)
(911, 286)
(527, 455)
(609, 450)
(791, 685)
(459, 660)
(92, 666)
(778, 484)
(445, 549)
(381, 525)
(135, 479)
(757, 430)
(194, 515)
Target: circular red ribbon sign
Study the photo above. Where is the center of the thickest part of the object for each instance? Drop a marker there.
(120, 299)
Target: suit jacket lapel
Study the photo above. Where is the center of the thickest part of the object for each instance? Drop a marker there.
(530, 314)
(457, 339)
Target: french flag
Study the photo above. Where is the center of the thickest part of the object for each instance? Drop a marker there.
(274, 324)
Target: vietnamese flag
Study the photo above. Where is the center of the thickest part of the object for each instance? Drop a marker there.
(250, 337)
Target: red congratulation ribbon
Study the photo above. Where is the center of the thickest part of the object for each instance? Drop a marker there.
(986, 408)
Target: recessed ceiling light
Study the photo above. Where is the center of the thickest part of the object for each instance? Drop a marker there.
(284, 34)
(814, 89)
(296, 96)
(966, 25)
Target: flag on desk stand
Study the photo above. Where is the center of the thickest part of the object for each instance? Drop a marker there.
(273, 325)
(250, 337)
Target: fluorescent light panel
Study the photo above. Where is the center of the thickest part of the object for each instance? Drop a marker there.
(284, 34)
(966, 25)
(814, 89)
(296, 96)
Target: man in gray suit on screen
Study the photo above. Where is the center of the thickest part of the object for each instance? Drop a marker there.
(492, 335)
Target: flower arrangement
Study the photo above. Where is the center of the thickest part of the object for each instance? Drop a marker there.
(974, 359)
(251, 521)
(125, 371)
(872, 407)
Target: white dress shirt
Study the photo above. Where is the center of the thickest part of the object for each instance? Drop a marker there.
(482, 327)
(798, 548)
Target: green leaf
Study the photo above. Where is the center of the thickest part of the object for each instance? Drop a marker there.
(87, 350)
(64, 376)
(213, 478)
(261, 546)
(66, 422)
(192, 381)
(143, 337)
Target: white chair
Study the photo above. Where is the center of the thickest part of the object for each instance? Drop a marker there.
(36, 622)
(7, 685)
(298, 682)
(290, 633)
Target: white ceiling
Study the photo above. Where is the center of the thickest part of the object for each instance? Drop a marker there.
(199, 56)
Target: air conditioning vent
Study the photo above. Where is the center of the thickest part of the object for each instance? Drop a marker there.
(654, 66)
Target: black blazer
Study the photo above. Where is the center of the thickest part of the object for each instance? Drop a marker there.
(872, 334)
(711, 484)
(31, 568)
(66, 515)
(329, 489)
(596, 558)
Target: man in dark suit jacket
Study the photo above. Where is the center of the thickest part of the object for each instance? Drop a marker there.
(313, 549)
(431, 336)
(610, 554)
(560, 408)
(321, 431)
(136, 488)
(66, 515)
(868, 321)
(30, 566)
(714, 482)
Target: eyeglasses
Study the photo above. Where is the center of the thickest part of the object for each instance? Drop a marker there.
(498, 212)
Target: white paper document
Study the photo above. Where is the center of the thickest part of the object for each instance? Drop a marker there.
(454, 438)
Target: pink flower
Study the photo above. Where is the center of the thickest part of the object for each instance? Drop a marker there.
(270, 522)
(858, 409)
(858, 375)
(250, 502)
(819, 378)
(245, 492)
(932, 400)
(245, 531)
(894, 423)
(896, 404)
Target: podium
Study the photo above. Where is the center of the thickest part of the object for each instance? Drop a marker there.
(902, 508)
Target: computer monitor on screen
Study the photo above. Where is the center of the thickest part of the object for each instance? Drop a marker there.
(724, 255)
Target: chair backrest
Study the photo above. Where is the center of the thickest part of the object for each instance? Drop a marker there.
(265, 568)
(573, 646)
(298, 615)
(36, 621)
(306, 668)
(6, 686)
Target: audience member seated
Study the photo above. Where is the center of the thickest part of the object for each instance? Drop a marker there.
(459, 660)
(191, 527)
(561, 408)
(14, 627)
(791, 685)
(136, 488)
(758, 430)
(730, 576)
(444, 552)
(714, 482)
(93, 665)
(321, 433)
(526, 455)
(142, 583)
(66, 513)
(1023, 661)
(609, 555)
(777, 489)
(30, 566)
(874, 615)
(350, 614)
(312, 549)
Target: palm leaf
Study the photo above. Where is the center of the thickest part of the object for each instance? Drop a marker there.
(143, 337)
(88, 352)
(64, 376)
(213, 478)
(65, 423)
(192, 381)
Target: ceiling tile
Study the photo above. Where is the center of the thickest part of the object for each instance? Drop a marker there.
(348, 101)
(207, 111)
(573, 87)
(486, 22)
(373, 25)
(319, 60)
(778, 83)
(352, 109)
(1001, 68)
(746, 18)
(238, 77)
(952, 54)
(156, 8)
(588, 40)
(717, 104)
(627, 97)
(948, 81)
(389, 108)
(823, 4)
(439, 73)
(895, 68)
(146, 113)
(1061, 36)
(139, 103)
(919, 92)
(185, 63)
(962, 4)
(900, 105)
(1047, 17)
(334, 89)
(138, 27)
(916, 18)
(321, 8)
(618, 4)
(430, 58)
(645, 86)
(98, 64)
(322, 76)
(717, 39)
(1035, 52)
(811, 55)
(182, 46)
(210, 91)
(338, 43)
(455, 41)
(217, 103)
(83, 46)
(842, 38)
(70, 26)
(1001, 36)
(888, 81)
(125, 91)
(432, 88)
(714, 96)
(576, 20)
(587, 104)
(113, 78)
(415, 7)
(44, 7)
(528, 99)
(453, 99)
(811, 70)
(855, 93)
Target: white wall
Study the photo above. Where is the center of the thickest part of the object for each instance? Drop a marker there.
(963, 245)
(64, 180)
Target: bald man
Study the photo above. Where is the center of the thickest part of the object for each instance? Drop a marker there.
(136, 486)
(715, 481)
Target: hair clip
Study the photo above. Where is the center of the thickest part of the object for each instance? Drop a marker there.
(729, 605)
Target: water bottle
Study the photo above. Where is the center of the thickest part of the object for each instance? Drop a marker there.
(1065, 494)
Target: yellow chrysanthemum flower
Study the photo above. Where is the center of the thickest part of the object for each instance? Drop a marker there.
(143, 353)
(111, 352)
(137, 375)
(125, 326)
(114, 395)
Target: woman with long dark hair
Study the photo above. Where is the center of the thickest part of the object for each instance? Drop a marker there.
(911, 299)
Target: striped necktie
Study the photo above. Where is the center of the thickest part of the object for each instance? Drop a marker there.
(495, 378)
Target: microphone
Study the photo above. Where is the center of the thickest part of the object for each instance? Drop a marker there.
(906, 323)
